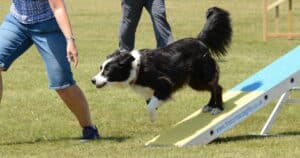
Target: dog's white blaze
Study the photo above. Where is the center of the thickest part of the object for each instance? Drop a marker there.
(135, 64)
(100, 79)
(152, 106)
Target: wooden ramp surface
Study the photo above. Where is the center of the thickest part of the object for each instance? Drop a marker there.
(240, 102)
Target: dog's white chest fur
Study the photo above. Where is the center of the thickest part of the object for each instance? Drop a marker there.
(145, 92)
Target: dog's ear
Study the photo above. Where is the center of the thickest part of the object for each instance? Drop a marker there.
(126, 59)
(115, 53)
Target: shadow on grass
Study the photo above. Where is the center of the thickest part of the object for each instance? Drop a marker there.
(254, 136)
(43, 140)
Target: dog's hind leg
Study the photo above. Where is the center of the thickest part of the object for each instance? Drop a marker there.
(216, 95)
(215, 103)
(209, 106)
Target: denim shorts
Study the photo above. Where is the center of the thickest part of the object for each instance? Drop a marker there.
(16, 38)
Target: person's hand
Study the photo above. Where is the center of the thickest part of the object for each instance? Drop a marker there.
(72, 53)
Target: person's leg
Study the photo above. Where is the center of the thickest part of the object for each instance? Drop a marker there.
(13, 43)
(1, 86)
(75, 100)
(162, 29)
(131, 13)
(51, 44)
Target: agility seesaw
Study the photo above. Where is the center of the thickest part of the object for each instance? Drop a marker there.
(275, 80)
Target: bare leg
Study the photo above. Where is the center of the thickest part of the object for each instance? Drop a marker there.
(77, 103)
(1, 86)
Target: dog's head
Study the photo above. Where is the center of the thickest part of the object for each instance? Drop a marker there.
(117, 68)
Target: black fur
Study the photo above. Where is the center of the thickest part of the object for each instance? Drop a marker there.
(217, 31)
(186, 61)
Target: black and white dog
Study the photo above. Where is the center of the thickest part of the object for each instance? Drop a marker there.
(157, 73)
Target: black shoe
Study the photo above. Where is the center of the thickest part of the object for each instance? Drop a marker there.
(90, 133)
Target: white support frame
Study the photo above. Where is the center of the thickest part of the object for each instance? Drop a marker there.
(284, 98)
(228, 120)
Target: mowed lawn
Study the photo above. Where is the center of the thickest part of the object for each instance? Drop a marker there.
(35, 123)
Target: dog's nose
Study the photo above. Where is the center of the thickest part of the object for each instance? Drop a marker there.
(93, 81)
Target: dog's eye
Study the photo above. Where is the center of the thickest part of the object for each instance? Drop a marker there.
(101, 67)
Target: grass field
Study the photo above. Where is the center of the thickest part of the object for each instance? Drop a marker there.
(35, 123)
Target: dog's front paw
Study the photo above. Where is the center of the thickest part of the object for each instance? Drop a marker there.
(215, 111)
(152, 107)
(152, 114)
(207, 108)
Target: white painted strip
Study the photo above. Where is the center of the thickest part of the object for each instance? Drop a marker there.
(196, 113)
(152, 140)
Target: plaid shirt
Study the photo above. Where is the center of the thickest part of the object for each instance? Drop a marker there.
(31, 11)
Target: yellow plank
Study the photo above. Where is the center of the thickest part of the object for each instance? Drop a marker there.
(239, 104)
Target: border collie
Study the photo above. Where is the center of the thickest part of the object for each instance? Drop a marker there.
(157, 73)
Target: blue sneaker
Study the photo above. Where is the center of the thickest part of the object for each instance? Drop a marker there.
(90, 133)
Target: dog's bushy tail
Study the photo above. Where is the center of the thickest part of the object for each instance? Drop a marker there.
(217, 31)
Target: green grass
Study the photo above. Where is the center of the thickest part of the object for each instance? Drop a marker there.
(35, 123)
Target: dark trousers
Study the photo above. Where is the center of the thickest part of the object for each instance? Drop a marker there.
(132, 11)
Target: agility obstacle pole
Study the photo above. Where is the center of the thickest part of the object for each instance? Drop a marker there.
(277, 34)
(240, 102)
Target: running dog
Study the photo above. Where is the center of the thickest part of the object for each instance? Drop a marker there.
(157, 73)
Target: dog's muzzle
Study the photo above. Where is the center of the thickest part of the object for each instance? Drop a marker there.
(99, 83)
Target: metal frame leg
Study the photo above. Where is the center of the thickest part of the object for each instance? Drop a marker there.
(274, 113)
